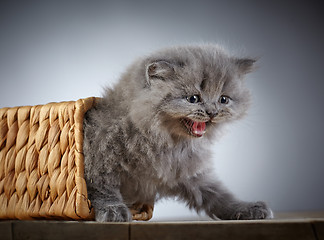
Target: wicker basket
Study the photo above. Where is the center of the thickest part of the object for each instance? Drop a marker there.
(41, 162)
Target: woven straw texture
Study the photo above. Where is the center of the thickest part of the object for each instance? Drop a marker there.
(41, 162)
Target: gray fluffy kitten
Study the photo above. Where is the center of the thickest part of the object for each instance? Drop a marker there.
(148, 138)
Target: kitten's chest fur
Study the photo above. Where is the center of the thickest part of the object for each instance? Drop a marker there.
(156, 167)
(144, 165)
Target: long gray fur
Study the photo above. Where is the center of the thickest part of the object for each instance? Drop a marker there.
(137, 148)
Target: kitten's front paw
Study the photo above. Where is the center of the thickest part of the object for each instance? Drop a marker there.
(114, 213)
(254, 210)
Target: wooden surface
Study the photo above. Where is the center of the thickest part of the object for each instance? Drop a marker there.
(285, 226)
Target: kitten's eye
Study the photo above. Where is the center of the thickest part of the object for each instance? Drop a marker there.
(224, 99)
(193, 99)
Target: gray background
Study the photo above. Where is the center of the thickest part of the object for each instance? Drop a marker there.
(65, 50)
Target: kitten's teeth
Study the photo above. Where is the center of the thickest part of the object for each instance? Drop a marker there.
(197, 132)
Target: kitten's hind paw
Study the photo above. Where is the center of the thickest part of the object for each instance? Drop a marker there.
(142, 212)
(113, 213)
(250, 211)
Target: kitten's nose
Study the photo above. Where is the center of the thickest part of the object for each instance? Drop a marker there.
(212, 114)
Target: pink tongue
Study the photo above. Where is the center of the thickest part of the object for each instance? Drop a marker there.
(198, 128)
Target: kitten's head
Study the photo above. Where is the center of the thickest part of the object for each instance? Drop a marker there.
(188, 91)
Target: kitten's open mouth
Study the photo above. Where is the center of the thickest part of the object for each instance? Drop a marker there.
(196, 129)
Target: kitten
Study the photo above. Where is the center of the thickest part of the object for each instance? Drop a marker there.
(148, 138)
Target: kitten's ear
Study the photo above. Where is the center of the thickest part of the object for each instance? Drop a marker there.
(159, 70)
(245, 65)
